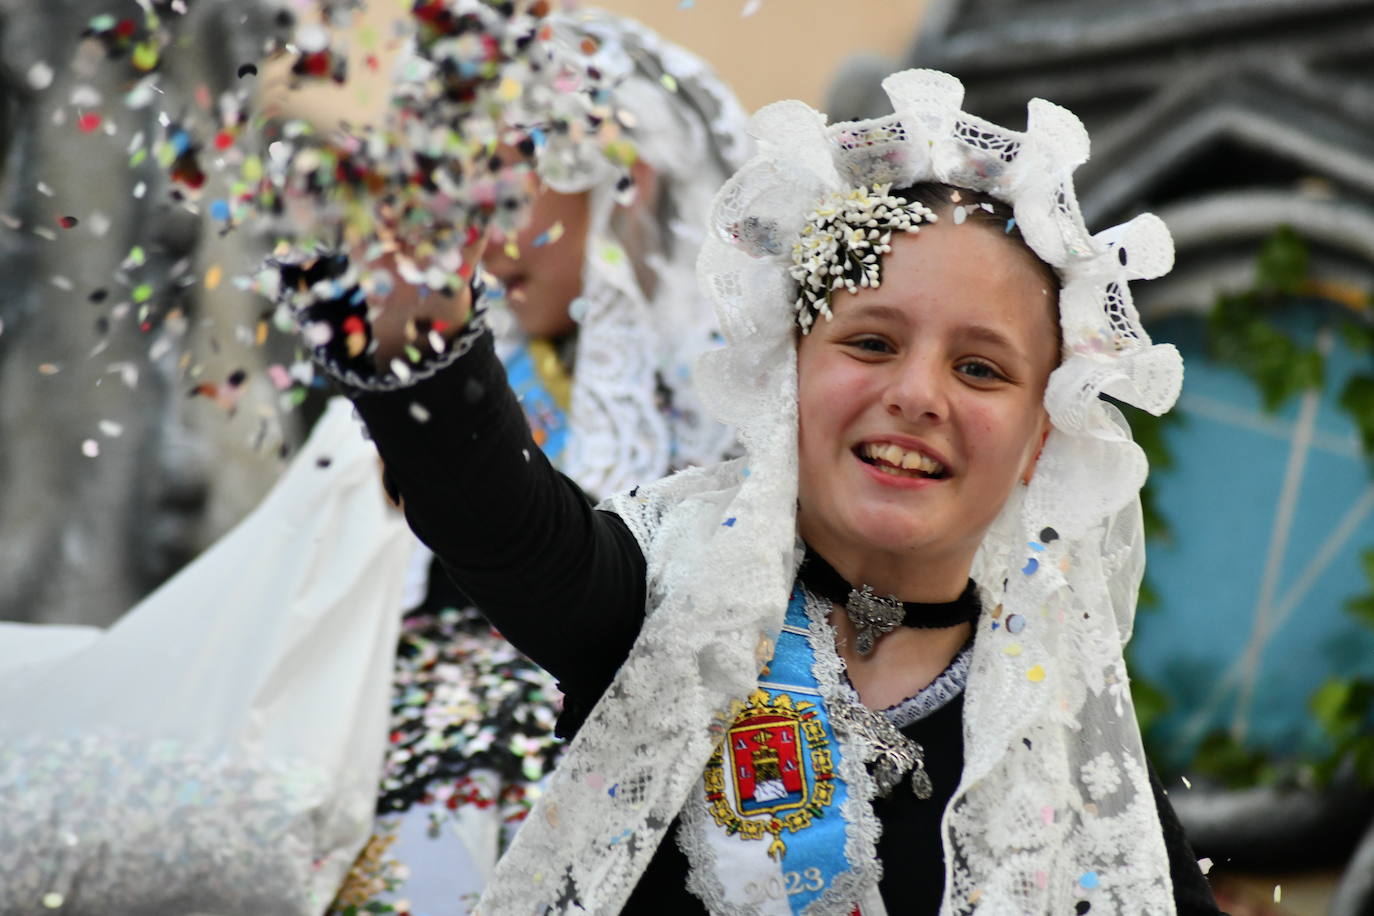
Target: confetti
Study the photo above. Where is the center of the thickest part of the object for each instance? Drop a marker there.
(111, 429)
(88, 122)
(213, 276)
(550, 235)
(750, 8)
(90, 448)
(68, 222)
(1205, 866)
(53, 900)
(1278, 893)
(1036, 674)
(1186, 783)
(40, 76)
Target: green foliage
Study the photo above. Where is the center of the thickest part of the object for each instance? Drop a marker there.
(1151, 703)
(1345, 709)
(1282, 266)
(1361, 607)
(1222, 757)
(1243, 332)
(1357, 399)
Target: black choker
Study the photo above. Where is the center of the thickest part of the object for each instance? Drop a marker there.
(874, 615)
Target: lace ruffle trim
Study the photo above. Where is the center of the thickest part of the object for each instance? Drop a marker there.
(935, 695)
(426, 369)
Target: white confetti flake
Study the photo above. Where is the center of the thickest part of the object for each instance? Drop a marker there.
(1204, 865)
(85, 97)
(90, 448)
(1278, 893)
(312, 38)
(40, 76)
(750, 8)
(419, 412)
(140, 189)
(98, 223)
(1186, 783)
(44, 189)
(111, 428)
(53, 900)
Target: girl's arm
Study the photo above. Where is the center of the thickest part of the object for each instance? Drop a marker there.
(563, 582)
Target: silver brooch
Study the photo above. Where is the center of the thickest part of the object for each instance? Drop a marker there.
(872, 616)
(890, 754)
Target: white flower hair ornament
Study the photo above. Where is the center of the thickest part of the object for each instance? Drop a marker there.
(805, 221)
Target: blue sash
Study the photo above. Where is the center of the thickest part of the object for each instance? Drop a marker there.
(773, 790)
(548, 422)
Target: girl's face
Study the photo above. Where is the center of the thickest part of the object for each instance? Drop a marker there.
(541, 276)
(921, 401)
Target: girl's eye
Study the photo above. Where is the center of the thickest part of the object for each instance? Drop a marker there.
(980, 371)
(870, 344)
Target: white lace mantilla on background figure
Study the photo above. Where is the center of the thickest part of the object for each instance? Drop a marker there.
(1054, 805)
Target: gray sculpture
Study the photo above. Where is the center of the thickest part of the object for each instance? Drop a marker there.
(110, 476)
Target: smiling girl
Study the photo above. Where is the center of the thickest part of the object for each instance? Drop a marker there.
(874, 666)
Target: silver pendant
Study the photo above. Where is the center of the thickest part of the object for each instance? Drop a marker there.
(872, 616)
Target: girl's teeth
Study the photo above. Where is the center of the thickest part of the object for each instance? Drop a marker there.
(894, 457)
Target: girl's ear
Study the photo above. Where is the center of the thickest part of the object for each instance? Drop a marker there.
(1029, 472)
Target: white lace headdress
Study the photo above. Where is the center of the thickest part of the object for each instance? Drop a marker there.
(633, 408)
(1054, 808)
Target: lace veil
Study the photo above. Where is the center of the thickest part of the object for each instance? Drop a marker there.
(634, 409)
(1054, 809)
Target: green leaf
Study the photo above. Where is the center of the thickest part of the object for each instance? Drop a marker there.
(1147, 600)
(1358, 335)
(1361, 608)
(1328, 704)
(1151, 703)
(1221, 756)
(1357, 399)
(1282, 264)
(1342, 707)
(1363, 754)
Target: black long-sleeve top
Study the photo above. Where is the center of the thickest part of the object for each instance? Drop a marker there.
(565, 583)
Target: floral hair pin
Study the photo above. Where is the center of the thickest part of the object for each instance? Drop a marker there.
(842, 243)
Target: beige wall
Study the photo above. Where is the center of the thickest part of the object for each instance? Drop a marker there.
(787, 49)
